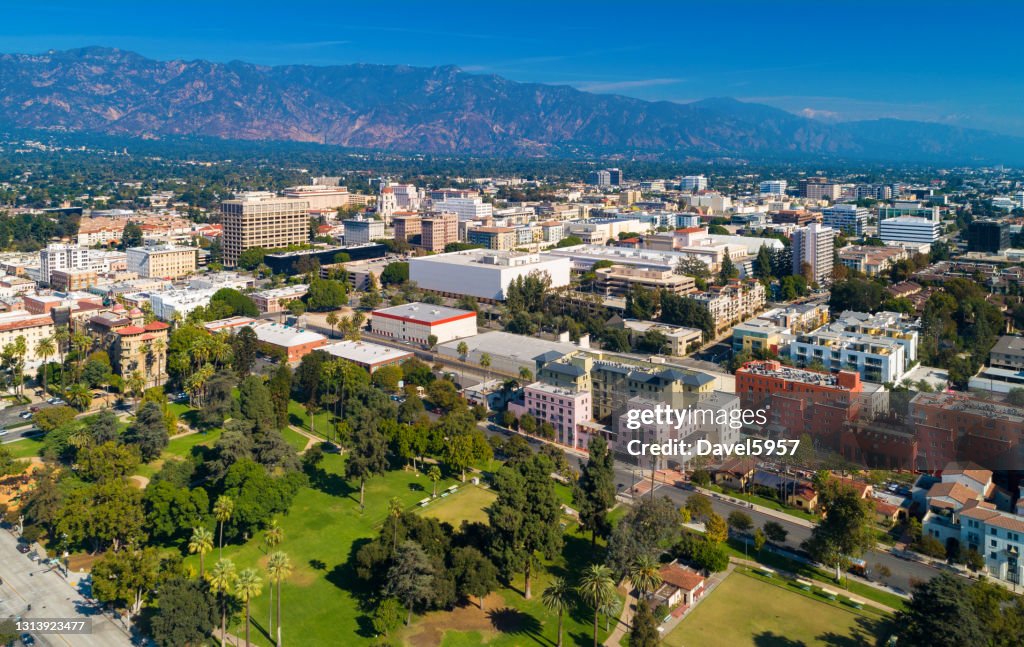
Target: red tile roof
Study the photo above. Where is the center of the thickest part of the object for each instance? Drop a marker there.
(153, 326)
(130, 330)
(680, 577)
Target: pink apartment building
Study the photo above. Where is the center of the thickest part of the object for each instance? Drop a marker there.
(565, 409)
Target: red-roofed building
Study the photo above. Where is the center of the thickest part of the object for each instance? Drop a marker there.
(680, 585)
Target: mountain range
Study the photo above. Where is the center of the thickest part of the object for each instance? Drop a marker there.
(438, 110)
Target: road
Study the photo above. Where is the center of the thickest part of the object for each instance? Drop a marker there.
(51, 596)
(903, 572)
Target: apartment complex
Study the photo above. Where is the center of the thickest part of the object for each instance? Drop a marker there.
(799, 401)
(680, 340)
(438, 231)
(567, 410)
(877, 359)
(141, 348)
(813, 247)
(731, 303)
(261, 219)
(30, 326)
(72, 280)
(958, 427)
(618, 280)
(871, 260)
(162, 261)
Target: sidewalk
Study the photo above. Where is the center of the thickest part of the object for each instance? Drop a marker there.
(800, 521)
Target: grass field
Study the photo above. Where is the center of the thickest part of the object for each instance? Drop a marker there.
(26, 447)
(744, 610)
(295, 439)
(465, 505)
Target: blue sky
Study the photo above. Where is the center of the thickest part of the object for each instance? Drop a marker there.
(953, 62)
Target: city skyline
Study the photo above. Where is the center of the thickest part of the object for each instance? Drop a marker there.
(835, 63)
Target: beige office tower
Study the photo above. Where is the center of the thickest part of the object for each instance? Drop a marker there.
(439, 230)
(261, 219)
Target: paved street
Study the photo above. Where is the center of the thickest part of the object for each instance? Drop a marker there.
(903, 572)
(51, 596)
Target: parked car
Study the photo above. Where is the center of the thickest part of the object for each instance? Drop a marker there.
(25, 415)
(33, 408)
(23, 548)
(4, 432)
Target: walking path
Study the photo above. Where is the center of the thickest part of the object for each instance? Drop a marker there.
(311, 439)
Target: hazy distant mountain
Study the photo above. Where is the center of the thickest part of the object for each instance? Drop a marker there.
(435, 110)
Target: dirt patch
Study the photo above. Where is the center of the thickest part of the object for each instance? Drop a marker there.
(139, 481)
(429, 631)
(83, 562)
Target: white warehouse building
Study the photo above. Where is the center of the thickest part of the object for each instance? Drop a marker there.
(484, 273)
(416, 322)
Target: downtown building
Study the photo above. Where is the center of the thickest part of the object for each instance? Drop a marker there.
(732, 303)
(813, 246)
(261, 219)
(847, 218)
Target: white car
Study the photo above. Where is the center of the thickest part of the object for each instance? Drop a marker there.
(25, 415)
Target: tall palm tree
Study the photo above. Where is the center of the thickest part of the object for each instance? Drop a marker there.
(274, 535)
(136, 384)
(485, 363)
(332, 321)
(45, 349)
(279, 567)
(201, 542)
(222, 579)
(395, 512)
(434, 474)
(159, 346)
(645, 574)
(557, 598)
(61, 336)
(597, 588)
(81, 344)
(20, 351)
(222, 511)
(248, 586)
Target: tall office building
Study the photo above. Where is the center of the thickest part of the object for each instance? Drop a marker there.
(261, 219)
(773, 187)
(62, 257)
(847, 218)
(466, 208)
(439, 230)
(813, 245)
(614, 176)
(990, 236)
(909, 229)
(693, 183)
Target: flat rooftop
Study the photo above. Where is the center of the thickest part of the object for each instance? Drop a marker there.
(282, 335)
(515, 347)
(423, 312)
(365, 353)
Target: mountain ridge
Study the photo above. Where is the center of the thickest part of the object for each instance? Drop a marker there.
(439, 109)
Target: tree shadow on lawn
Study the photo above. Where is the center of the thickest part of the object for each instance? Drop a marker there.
(578, 554)
(772, 639)
(509, 620)
(331, 483)
(417, 487)
(867, 632)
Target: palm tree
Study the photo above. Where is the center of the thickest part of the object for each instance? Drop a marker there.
(79, 396)
(279, 567)
(249, 586)
(332, 321)
(20, 351)
(45, 349)
(61, 336)
(222, 511)
(434, 474)
(158, 349)
(462, 349)
(485, 363)
(597, 588)
(557, 598)
(274, 535)
(222, 579)
(525, 374)
(201, 542)
(81, 343)
(395, 512)
(136, 385)
(645, 574)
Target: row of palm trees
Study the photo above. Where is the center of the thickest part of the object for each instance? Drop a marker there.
(226, 581)
(597, 589)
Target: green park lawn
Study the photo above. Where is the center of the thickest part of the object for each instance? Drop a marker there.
(297, 416)
(320, 599)
(295, 439)
(467, 504)
(745, 610)
(25, 447)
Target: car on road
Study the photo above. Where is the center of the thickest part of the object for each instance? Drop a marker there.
(23, 548)
(52, 401)
(58, 401)
(25, 415)
(33, 409)
(4, 432)
(27, 640)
